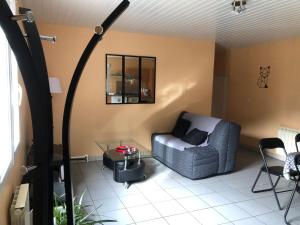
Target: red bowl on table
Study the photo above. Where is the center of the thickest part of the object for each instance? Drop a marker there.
(126, 149)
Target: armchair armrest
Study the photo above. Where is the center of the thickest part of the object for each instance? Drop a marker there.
(157, 133)
(204, 160)
(225, 139)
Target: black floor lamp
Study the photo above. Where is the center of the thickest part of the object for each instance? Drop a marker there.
(30, 57)
(31, 60)
(99, 32)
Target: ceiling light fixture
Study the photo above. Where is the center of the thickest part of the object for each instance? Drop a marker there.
(238, 6)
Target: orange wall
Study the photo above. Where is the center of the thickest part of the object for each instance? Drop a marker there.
(183, 82)
(13, 176)
(261, 111)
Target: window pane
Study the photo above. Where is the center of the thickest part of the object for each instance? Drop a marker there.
(114, 79)
(131, 79)
(148, 80)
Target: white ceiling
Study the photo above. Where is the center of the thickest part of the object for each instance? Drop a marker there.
(263, 20)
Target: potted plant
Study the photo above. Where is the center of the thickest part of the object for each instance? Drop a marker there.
(81, 217)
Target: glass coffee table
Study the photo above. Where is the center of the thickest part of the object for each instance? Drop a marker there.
(128, 165)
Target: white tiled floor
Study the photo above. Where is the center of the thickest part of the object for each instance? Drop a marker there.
(182, 219)
(209, 217)
(167, 198)
(169, 208)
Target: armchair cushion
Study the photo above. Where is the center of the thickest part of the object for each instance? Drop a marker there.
(195, 137)
(172, 142)
(181, 127)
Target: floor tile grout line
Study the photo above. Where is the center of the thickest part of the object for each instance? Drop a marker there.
(118, 197)
(249, 218)
(105, 178)
(124, 206)
(166, 201)
(86, 189)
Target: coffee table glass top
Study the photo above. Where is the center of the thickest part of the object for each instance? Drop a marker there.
(109, 147)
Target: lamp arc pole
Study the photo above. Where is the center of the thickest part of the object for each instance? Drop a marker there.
(99, 32)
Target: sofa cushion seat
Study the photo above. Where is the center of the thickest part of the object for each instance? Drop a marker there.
(174, 142)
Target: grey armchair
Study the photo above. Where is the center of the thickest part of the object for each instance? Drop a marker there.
(216, 156)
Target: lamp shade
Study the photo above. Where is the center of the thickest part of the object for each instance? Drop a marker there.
(55, 86)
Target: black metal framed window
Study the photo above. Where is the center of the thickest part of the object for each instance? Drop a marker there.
(130, 79)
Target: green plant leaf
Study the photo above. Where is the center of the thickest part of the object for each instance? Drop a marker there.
(84, 218)
(81, 217)
(81, 197)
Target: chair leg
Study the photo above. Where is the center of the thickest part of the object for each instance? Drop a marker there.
(274, 191)
(273, 187)
(276, 182)
(289, 203)
(256, 179)
(255, 182)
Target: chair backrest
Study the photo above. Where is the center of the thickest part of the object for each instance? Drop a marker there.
(271, 143)
(205, 123)
(297, 162)
(297, 139)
